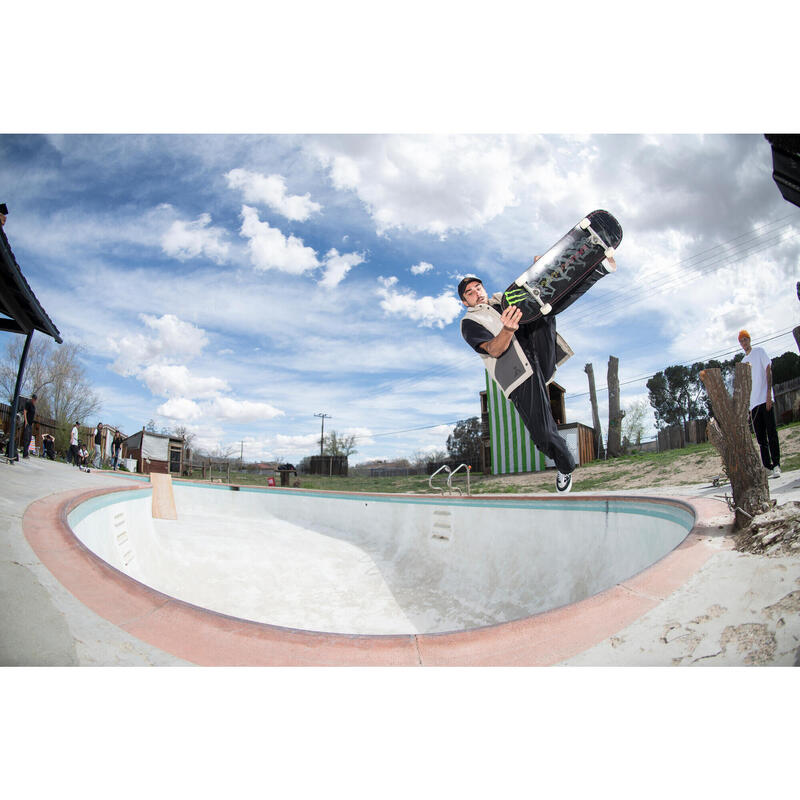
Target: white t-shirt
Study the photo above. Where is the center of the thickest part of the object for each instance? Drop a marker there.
(73, 439)
(758, 361)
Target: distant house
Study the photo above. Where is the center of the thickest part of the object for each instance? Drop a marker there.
(263, 467)
(506, 444)
(156, 452)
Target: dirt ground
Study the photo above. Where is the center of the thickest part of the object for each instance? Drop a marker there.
(682, 467)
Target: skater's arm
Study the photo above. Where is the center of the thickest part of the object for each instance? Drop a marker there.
(497, 346)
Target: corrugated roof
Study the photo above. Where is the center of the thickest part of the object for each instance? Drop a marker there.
(17, 300)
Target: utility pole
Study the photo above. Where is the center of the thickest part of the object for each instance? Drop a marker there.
(322, 435)
(241, 456)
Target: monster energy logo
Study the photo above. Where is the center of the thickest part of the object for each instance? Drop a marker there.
(516, 296)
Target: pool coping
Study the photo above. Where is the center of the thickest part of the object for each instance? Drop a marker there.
(209, 638)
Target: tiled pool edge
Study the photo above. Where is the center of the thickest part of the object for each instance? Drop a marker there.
(208, 638)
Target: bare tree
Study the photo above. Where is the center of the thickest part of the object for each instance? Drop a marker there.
(340, 445)
(614, 414)
(633, 424)
(598, 431)
(56, 375)
(729, 432)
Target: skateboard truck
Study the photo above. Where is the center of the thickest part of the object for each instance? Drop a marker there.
(586, 225)
(536, 293)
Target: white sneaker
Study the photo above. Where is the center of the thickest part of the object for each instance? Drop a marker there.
(563, 482)
(776, 473)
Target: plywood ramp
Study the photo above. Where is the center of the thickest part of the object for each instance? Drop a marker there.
(163, 497)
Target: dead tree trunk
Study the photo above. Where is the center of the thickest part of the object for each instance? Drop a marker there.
(729, 432)
(598, 431)
(614, 414)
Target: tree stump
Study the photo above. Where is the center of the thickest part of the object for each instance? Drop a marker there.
(729, 432)
(598, 432)
(614, 414)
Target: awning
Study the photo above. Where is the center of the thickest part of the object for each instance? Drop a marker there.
(22, 312)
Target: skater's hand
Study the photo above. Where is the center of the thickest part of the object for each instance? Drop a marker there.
(510, 318)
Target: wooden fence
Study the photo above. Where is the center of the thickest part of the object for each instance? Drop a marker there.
(787, 401)
(679, 435)
(41, 425)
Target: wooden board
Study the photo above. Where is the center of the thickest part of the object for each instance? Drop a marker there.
(163, 497)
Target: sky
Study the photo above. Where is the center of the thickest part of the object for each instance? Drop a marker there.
(240, 285)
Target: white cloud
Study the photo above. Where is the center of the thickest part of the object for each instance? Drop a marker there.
(271, 190)
(175, 381)
(421, 268)
(301, 445)
(184, 240)
(434, 184)
(180, 408)
(243, 410)
(337, 266)
(174, 340)
(428, 311)
(270, 249)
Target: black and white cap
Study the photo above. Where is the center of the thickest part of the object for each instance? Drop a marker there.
(465, 281)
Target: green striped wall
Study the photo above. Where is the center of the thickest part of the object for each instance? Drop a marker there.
(512, 448)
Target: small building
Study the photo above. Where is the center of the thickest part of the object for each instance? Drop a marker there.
(507, 446)
(156, 452)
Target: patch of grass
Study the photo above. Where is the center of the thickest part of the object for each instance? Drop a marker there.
(659, 469)
(790, 463)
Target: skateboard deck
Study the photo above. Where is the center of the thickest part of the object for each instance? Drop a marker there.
(567, 270)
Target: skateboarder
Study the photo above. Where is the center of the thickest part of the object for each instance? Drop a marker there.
(521, 359)
(761, 411)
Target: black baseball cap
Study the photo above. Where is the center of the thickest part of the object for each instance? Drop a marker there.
(465, 281)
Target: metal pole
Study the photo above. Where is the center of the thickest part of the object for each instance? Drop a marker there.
(322, 435)
(12, 440)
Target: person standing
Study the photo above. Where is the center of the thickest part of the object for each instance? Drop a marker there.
(116, 449)
(98, 441)
(28, 415)
(762, 412)
(72, 458)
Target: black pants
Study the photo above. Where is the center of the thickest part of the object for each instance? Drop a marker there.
(767, 435)
(532, 399)
(72, 456)
(27, 435)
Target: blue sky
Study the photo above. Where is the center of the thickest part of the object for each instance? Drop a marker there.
(239, 285)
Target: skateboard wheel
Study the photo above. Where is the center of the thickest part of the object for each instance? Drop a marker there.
(608, 268)
(610, 252)
(584, 223)
(546, 309)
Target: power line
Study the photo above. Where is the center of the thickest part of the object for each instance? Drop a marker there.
(583, 394)
(749, 243)
(713, 356)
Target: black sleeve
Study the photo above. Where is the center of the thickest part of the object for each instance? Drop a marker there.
(475, 334)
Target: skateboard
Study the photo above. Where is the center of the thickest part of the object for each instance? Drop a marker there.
(567, 270)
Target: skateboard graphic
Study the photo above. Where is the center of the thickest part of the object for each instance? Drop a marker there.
(567, 270)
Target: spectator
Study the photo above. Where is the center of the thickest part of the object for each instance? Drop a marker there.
(72, 456)
(761, 410)
(83, 458)
(116, 449)
(49, 447)
(98, 441)
(28, 415)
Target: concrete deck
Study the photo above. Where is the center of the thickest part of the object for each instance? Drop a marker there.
(704, 604)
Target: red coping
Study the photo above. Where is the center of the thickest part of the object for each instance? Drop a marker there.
(213, 639)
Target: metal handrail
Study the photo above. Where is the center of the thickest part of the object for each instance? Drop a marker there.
(450, 478)
(430, 480)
